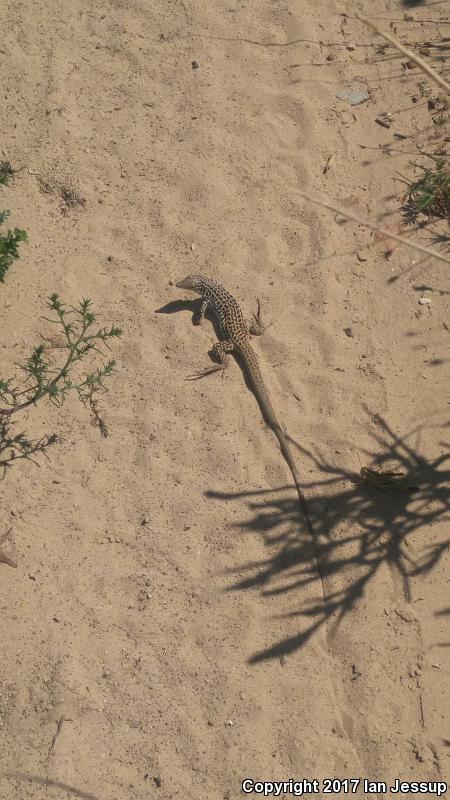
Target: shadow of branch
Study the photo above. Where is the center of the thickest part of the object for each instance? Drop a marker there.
(26, 776)
(381, 520)
(15, 447)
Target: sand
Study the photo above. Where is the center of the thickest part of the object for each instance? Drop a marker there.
(167, 603)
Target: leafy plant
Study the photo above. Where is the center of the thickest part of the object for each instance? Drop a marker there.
(6, 172)
(8, 245)
(430, 193)
(80, 336)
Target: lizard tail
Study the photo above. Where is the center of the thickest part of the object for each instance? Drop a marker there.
(269, 415)
(285, 449)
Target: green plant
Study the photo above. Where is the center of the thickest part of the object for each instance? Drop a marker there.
(8, 245)
(6, 172)
(45, 379)
(430, 193)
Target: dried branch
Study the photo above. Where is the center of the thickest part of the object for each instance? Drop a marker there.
(399, 46)
(379, 229)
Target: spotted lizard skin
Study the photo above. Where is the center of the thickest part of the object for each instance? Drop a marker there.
(236, 332)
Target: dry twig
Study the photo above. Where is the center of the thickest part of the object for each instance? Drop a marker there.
(4, 559)
(384, 231)
(59, 725)
(412, 56)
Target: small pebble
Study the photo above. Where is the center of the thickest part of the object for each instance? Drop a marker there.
(355, 95)
(425, 301)
(195, 65)
(348, 332)
(384, 120)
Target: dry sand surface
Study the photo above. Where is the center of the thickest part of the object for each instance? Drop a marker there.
(166, 600)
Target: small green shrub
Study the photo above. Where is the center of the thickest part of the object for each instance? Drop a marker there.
(9, 245)
(430, 193)
(43, 378)
(6, 172)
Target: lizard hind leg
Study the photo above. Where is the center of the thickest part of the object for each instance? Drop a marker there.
(256, 325)
(219, 354)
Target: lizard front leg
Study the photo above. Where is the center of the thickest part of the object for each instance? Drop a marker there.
(219, 354)
(200, 315)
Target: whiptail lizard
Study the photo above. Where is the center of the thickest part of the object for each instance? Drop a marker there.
(236, 337)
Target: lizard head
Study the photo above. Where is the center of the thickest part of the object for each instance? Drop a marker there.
(193, 282)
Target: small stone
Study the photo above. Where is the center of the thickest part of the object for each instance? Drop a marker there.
(405, 614)
(195, 65)
(157, 780)
(348, 332)
(384, 120)
(354, 95)
(425, 301)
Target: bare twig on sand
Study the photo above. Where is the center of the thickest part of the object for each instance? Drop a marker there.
(412, 56)
(59, 725)
(4, 559)
(379, 229)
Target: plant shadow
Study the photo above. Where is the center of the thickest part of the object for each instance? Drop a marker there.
(15, 447)
(381, 511)
(48, 782)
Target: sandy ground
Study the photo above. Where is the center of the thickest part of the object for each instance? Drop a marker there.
(167, 601)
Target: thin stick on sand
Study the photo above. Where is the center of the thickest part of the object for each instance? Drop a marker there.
(399, 46)
(384, 231)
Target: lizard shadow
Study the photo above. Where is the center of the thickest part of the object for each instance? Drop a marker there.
(174, 306)
(359, 524)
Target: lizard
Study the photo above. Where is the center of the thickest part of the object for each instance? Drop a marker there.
(236, 332)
